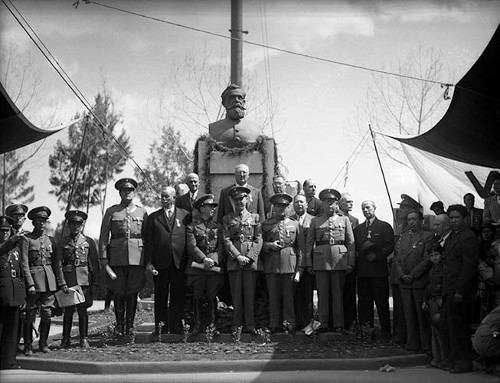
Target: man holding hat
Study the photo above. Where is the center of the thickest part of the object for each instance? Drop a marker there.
(121, 248)
(77, 257)
(12, 296)
(205, 262)
(166, 257)
(282, 258)
(330, 252)
(40, 270)
(242, 242)
(374, 243)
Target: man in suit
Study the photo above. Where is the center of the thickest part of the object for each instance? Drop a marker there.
(166, 257)
(121, 250)
(12, 295)
(330, 252)
(314, 205)
(255, 202)
(282, 257)
(461, 256)
(77, 257)
(492, 203)
(186, 201)
(346, 204)
(374, 243)
(242, 242)
(474, 218)
(305, 286)
(40, 271)
(412, 265)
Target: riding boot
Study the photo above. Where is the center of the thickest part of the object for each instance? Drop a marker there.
(83, 326)
(197, 312)
(28, 336)
(67, 324)
(120, 314)
(212, 312)
(44, 335)
(131, 309)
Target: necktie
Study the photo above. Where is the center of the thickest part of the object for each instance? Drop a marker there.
(169, 215)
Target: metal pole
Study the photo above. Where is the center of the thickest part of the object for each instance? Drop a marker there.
(236, 42)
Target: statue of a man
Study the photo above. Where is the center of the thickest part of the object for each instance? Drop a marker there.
(232, 131)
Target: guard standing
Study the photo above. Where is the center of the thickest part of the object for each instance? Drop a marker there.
(282, 258)
(121, 248)
(12, 296)
(39, 266)
(78, 260)
(205, 265)
(242, 242)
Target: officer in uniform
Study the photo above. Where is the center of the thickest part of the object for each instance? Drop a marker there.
(121, 249)
(12, 295)
(242, 242)
(205, 265)
(18, 213)
(282, 257)
(77, 257)
(40, 270)
(330, 251)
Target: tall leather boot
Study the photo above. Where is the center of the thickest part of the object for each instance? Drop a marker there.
(28, 336)
(130, 316)
(44, 335)
(212, 312)
(67, 324)
(83, 327)
(120, 314)
(197, 312)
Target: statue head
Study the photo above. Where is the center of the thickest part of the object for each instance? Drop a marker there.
(233, 100)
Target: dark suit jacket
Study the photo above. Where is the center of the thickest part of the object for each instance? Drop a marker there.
(315, 207)
(474, 220)
(184, 202)
(382, 237)
(461, 257)
(256, 206)
(165, 242)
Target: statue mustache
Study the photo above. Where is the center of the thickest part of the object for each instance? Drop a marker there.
(238, 105)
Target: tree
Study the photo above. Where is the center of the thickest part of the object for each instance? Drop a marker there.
(98, 161)
(14, 185)
(169, 161)
(404, 106)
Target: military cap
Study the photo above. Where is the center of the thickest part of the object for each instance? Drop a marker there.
(16, 209)
(6, 222)
(39, 212)
(76, 215)
(281, 198)
(207, 199)
(239, 191)
(437, 205)
(329, 193)
(408, 202)
(126, 183)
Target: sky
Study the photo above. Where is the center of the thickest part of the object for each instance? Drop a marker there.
(316, 100)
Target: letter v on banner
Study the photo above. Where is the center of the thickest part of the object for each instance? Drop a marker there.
(483, 191)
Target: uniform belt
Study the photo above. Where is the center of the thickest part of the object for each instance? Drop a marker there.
(126, 236)
(330, 242)
(41, 262)
(12, 274)
(77, 262)
(242, 238)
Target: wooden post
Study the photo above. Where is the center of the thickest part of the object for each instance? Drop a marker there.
(236, 42)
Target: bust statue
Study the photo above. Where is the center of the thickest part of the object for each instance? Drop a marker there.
(232, 131)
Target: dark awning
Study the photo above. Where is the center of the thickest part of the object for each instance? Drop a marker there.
(470, 130)
(15, 130)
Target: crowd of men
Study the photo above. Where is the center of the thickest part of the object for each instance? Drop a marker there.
(243, 246)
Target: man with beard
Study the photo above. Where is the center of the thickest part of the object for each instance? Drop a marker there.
(121, 248)
(77, 258)
(233, 131)
(314, 205)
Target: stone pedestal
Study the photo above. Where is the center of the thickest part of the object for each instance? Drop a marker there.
(218, 173)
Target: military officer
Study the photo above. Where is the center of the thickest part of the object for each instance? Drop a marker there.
(18, 213)
(205, 265)
(282, 258)
(242, 241)
(12, 296)
(121, 248)
(330, 251)
(40, 270)
(77, 257)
